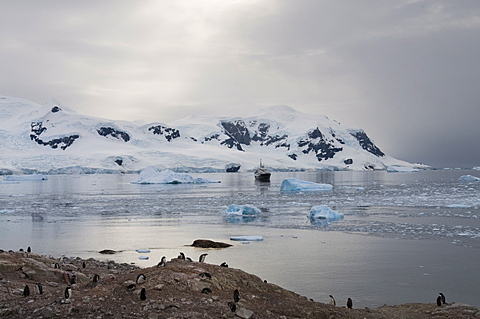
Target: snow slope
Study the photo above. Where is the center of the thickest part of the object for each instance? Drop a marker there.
(53, 139)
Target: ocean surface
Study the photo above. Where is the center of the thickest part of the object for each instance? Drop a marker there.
(405, 236)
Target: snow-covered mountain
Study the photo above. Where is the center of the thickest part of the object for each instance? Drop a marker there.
(52, 138)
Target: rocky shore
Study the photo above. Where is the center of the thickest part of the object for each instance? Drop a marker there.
(179, 289)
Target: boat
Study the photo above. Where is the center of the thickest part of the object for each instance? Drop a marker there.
(262, 174)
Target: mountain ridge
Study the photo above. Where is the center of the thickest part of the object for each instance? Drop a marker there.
(53, 138)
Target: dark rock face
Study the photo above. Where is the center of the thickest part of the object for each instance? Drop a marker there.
(109, 131)
(317, 143)
(56, 109)
(348, 161)
(238, 134)
(37, 128)
(232, 168)
(261, 135)
(367, 144)
(168, 132)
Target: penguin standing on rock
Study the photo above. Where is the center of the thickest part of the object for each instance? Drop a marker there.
(349, 303)
(442, 297)
(181, 256)
(236, 295)
(202, 258)
(39, 288)
(162, 262)
(68, 292)
(96, 278)
(141, 279)
(143, 294)
(26, 291)
(224, 264)
(439, 301)
(332, 301)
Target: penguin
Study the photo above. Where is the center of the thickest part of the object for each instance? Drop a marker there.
(439, 301)
(143, 294)
(233, 306)
(162, 262)
(29, 249)
(68, 292)
(181, 256)
(236, 295)
(206, 291)
(141, 279)
(189, 259)
(202, 258)
(442, 296)
(39, 288)
(26, 291)
(224, 264)
(73, 279)
(96, 278)
(349, 303)
(332, 301)
(205, 275)
(84, 265)
(131, 287)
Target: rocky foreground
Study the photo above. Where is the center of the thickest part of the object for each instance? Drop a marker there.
(180, 289)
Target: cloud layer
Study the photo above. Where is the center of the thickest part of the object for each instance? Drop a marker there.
(405, 71)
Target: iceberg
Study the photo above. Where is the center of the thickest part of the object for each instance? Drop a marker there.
(246, 238)
(30, 177)
(151, 175)
(402, 169)
(241, 213)
(469, 178)
(296, 185)
(323, 215)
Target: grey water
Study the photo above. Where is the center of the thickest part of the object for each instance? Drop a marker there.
(405, 236)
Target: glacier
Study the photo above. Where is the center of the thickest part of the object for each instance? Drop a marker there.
(54, 139)
(296, 185)
(152, 175)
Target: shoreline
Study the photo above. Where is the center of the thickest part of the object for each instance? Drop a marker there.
(181, 289)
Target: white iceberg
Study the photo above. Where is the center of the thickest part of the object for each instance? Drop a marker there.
(402, 169)
(29, 177)
(151, 175)
(241, 213)
(246, 238)
(296, 185)
(323, 215)
(143, 251)
(469, 178)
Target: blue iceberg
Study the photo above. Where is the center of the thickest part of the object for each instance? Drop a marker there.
(241, 213)
(323, 215)
(296, 185)
(469, 178)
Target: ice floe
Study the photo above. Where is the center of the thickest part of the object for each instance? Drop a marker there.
(469, 178)
(152, 175)
(30, 177)
(241, 213)
(323, 215)
(246, 238)
(296, 185)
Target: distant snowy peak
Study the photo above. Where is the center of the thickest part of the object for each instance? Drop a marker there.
(54, 137)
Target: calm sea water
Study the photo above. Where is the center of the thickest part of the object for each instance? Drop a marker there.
(405, 236)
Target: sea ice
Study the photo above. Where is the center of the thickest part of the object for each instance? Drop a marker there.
(296, 185)
(247, 238)
(323, 214)
(151, 175)
(241, 213)
(143, 251)
(469, 178)
(30, 177)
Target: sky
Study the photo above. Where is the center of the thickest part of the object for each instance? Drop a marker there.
(405, 71)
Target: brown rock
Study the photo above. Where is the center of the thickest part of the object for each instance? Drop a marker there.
(206, 243)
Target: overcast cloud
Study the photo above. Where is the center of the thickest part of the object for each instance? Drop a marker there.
(407, 72)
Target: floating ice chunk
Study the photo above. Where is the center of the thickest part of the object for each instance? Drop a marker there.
(241, 213)
(242, 210)
(143, 251)
(151, 175)
(469, 178)
(458, 206)
(403, 169)
(143, 257)
(247, 238)
(323, 215)
(296, 185)
(31, 177)
(6, 211)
